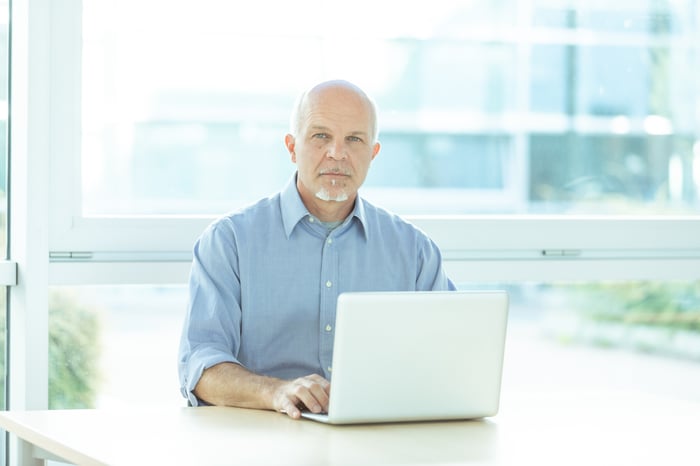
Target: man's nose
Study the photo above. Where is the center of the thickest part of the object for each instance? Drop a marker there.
(337, 151)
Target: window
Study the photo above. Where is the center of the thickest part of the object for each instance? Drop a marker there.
(539, 142)
(510, 110)
(113, 346)
(516, 107)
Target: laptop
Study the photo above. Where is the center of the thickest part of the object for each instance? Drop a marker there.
(416, 356)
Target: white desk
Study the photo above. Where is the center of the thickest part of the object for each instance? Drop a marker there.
(541, 429)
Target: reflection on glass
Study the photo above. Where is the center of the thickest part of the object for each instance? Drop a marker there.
(117, 345)
(599, 100)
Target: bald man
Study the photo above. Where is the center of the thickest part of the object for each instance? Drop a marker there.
(265, 280)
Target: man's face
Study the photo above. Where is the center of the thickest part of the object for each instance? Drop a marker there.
(334, 147)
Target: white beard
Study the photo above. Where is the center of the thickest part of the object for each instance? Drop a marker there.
(324, 195)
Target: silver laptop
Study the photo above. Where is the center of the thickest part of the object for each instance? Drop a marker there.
(416, 356)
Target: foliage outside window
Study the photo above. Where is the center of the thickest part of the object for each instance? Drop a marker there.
(74, 351)
(655, 317)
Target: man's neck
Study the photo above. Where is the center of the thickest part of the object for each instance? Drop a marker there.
(329, 211)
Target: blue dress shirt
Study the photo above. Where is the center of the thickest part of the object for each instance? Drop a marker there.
(265, 280)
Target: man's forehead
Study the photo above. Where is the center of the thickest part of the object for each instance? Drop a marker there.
(355, 129)
(335, 96)
(330, 115)
(339, 108)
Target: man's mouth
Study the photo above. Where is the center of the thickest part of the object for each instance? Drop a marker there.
(334, 172)
(334, 175)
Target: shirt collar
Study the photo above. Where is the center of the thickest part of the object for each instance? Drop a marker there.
(294, 210)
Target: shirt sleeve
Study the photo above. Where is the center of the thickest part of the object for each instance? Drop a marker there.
(431, 274)
(211, 331)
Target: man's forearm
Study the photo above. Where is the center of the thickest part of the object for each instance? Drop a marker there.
(229, 384)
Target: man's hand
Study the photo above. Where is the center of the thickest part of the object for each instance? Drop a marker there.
(311, 392)
(229, 384)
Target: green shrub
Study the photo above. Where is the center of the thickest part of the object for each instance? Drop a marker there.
(74, 352)
(657, 304)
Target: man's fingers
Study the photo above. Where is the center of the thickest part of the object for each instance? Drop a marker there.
(294, 413)
(290, 410)
(311, 392)
(323, 383)
(320, 393)
(304, 395)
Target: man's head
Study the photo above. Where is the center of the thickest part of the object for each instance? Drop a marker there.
(333, 140)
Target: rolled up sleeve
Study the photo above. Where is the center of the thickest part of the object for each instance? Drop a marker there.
(211, 331)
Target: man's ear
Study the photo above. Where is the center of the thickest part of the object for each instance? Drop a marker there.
(290, 142)
(375, 149)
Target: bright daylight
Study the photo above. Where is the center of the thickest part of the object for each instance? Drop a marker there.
(465, 232)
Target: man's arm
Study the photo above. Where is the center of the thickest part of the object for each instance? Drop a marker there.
(229, 384)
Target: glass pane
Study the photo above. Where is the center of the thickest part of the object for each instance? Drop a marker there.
(111, 346)
(485, 107)
(629, 337)
(625, 174)
(117, 345)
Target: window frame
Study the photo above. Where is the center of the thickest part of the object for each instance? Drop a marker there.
(28, 192)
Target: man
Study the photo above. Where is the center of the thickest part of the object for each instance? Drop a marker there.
(265, 280)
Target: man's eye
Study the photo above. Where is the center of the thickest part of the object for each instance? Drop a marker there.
(320, 136)
(354, 139)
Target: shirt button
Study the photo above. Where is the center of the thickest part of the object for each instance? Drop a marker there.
(330, 369)
(328, 328)
(329, 241)
(311, 219)
(329, 284)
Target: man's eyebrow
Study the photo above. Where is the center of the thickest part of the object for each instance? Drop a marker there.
(319, 128)
(314, 128)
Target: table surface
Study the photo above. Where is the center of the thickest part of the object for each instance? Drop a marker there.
(531, 428)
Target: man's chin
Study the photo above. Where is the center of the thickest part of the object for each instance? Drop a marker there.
(338, 196)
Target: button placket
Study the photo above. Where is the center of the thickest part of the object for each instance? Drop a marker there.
(329, 296)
